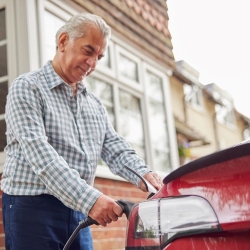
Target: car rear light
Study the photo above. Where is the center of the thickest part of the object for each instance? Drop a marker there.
(186, 215)
(147, 225)
(167, 219)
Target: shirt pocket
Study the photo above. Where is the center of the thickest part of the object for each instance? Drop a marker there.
(94, 128)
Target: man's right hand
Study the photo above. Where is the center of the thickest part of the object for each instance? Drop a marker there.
(105, 210)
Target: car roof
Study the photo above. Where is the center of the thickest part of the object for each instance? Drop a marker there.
(211, 159)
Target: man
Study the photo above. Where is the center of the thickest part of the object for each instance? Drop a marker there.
(56, 132)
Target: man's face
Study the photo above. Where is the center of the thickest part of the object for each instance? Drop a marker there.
(79, 58)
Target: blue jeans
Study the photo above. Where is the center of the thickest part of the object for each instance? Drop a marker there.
(41, 222)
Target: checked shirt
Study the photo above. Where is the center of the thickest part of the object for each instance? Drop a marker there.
(54, 141)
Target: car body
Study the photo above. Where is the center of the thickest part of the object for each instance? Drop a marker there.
(205, 204)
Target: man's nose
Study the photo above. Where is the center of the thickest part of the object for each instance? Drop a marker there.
(92, 61)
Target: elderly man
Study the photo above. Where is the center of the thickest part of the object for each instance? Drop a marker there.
(56, 132)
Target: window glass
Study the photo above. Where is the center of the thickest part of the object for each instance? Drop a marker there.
(225, 114)
(193, 95)
(3, 61)
(3, 79)
(2, 25)
(3, 94)
(187, 91)
(161, 160)
(158, 122)
(154, 87)
(128, 68)
(2, 135)
(131, 123)
(52, 24)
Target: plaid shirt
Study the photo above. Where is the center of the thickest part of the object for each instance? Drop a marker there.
(54, 141)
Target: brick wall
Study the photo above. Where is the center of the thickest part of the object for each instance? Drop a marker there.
(113, 236)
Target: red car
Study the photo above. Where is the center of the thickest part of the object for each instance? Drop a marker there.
(204, 204)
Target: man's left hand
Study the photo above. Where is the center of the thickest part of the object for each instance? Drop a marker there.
(154, 179)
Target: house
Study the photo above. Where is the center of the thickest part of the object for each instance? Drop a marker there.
(132, 80)
(205, 117)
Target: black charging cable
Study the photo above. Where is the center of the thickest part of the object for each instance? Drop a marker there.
(144, 181)
(82, 224)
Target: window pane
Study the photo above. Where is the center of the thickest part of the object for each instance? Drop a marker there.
(225, 115)
(155, 87)
(3, 61)
(3, 94)
(52, 24)
(193, 95)
(131, 122)
(2, 25)
(158, 122)
(3, 72)
(2, 135)
(162, 161)
(100, 88)
(128, 68)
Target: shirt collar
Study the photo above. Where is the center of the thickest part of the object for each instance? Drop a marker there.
(54, 80)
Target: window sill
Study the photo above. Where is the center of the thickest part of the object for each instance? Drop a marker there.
(104, 172)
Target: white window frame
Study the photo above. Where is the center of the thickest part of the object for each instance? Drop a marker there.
(174, 162)
(196, 94)
(229, 113)
(136, 85)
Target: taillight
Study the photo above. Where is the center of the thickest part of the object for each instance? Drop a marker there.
(147, 225)
(155, 223)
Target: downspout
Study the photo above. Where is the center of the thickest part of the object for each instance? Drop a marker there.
(216, 134)
(184, 109)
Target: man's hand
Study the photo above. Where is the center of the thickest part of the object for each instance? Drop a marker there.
(154, 179)
(105, 210)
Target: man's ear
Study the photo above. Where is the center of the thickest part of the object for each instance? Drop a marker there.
(63, 40)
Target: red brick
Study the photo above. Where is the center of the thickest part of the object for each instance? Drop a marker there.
(110, 244)
(113, 236)
(2, 238)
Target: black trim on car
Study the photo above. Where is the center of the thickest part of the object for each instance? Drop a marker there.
(215, 158)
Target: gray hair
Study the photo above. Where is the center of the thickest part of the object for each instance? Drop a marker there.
(76, 26)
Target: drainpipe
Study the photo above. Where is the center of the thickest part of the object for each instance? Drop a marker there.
(184, 109)
(216, 134)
